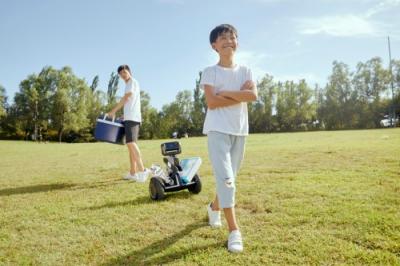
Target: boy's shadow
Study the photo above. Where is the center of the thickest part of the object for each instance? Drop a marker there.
(136, 201)
(141, 200)
(148, 255)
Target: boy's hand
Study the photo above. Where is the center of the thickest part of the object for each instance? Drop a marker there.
(248, 85)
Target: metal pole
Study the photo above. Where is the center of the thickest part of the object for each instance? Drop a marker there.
(392, 115)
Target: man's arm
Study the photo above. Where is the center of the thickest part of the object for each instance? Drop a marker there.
(248, 93)
(216, 101)
(120, 104)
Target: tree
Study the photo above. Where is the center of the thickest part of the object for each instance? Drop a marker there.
(370, 81)
(199, 109)
(97, 103)
(305, 107)
(26, 101)
(3, 109)
(338, 111)
(150, 121)
(32, 103)
(319, 106)
(3, 101)
(185, 106)
(260, 111)
(396, 85)
(46, 83)
(294, 106)
(95, 83)
(70, 101)
(176, 116)
(112, 90)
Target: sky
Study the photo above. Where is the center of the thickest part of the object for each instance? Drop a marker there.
(166, 41)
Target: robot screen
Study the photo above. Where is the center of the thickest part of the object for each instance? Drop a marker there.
(171, 148)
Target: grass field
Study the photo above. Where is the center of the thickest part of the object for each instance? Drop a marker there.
(303, 198)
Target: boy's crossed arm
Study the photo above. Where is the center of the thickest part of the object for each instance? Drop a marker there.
(247, 93)
(215, 101)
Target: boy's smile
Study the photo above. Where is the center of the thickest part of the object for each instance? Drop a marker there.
(226, 43)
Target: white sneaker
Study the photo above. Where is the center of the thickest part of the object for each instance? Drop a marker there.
(235, 243)
(214, 217)
(142, 176)
(129, 176)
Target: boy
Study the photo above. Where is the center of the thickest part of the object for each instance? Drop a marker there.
(227, 87)
(132, 119)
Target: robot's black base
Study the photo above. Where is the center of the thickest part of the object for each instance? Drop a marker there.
(159, 187)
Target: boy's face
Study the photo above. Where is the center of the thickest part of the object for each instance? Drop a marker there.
(124, 74)
(225, 44)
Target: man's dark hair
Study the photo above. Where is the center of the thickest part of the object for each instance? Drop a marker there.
(122, 67)
(219, 30)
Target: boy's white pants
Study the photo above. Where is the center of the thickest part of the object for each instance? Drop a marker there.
(226, 154)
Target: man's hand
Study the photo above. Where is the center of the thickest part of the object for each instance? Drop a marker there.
(111, 114)
(248, 85)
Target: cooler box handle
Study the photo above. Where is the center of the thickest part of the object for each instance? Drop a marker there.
(105, 116)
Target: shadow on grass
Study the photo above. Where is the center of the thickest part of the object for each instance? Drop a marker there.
(35, 189)
(55, 186)
(99, 184)
(140, 200)
(136, 201)
(148, 255)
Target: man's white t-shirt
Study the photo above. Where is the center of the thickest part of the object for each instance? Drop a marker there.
(231, 119)
(132, 106)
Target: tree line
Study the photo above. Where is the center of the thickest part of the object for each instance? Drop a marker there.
(57, 105)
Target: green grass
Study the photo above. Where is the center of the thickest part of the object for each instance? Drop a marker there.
(302, 198)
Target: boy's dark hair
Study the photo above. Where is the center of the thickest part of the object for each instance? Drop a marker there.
(219, 30)
(122, 67)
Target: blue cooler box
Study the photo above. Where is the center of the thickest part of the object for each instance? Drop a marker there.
(111, 131)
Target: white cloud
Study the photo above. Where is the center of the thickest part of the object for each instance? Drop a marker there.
(350, 25)
(341, 25)
(381, 7)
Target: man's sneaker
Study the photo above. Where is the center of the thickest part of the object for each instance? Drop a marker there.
(129, 176)
(235, 243)
(142, 176)
(214, 217)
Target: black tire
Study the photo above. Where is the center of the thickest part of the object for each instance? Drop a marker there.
(156, 189)
(196, 187)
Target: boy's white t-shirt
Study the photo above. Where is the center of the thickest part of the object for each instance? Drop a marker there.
(132, 106)
(231, 119)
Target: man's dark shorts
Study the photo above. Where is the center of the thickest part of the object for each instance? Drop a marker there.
(131, 131)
